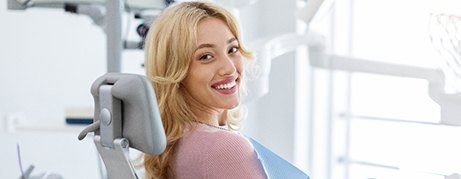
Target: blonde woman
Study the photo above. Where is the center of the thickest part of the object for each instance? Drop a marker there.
(194, 58)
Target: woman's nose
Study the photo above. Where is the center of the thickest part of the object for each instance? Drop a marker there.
(227, 66)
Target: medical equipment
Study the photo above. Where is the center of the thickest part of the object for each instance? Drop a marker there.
(134, 4)
(444, 32)
(126, 115)
(319, 57)
(108, 15)
(27, 174)
(267, 50)
(47, 175)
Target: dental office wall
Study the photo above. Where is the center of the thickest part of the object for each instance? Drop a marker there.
(49, 59)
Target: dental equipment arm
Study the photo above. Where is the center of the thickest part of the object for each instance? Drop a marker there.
(134, 4)
(269, 49)
(126, 115)
(449, 103)
(308, 12)
(320, 58)
(259, 70)
(105, 13)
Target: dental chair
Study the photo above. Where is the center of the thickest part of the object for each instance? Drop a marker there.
(126, 115)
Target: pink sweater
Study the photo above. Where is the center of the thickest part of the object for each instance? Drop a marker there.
(209, 153)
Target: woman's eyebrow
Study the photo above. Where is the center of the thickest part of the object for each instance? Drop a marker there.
(205, 46)
(231, 40)
(213, 45)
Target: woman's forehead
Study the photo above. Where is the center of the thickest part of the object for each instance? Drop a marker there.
(213, 29)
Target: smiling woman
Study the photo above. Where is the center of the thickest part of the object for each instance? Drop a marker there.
(194, 58)
(214, 73)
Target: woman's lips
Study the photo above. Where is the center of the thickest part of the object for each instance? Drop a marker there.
(227, 86)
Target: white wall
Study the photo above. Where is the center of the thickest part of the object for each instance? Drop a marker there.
(49, 58)
(271, 118)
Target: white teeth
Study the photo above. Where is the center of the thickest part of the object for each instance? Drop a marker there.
(226, 86)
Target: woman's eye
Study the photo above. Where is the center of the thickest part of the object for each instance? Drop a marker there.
(206, 57)
(233, 50)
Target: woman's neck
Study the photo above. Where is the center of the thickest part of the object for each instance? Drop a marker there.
(212, 117)
(205, 114)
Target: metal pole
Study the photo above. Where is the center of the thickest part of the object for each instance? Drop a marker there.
(114, 9)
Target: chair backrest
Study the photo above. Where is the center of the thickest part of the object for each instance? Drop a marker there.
(141, 122)
(126, 115)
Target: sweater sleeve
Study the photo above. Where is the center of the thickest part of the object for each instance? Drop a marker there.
(232, 156)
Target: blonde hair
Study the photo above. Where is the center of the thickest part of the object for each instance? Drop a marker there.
(170, 43)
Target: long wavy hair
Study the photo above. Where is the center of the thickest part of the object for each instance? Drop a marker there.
(170, 44)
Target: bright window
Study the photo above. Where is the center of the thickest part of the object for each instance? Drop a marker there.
(385, 126)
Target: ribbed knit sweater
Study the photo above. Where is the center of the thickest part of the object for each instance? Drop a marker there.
(206, 152)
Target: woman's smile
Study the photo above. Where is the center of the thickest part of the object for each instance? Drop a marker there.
(227, 86)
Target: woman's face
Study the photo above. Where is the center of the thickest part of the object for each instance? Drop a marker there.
(215, 70)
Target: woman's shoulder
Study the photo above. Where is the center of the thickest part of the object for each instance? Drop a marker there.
(216, 139)
(208, 152)
(208, 143)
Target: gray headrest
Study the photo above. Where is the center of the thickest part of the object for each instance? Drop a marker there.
(141, 122)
